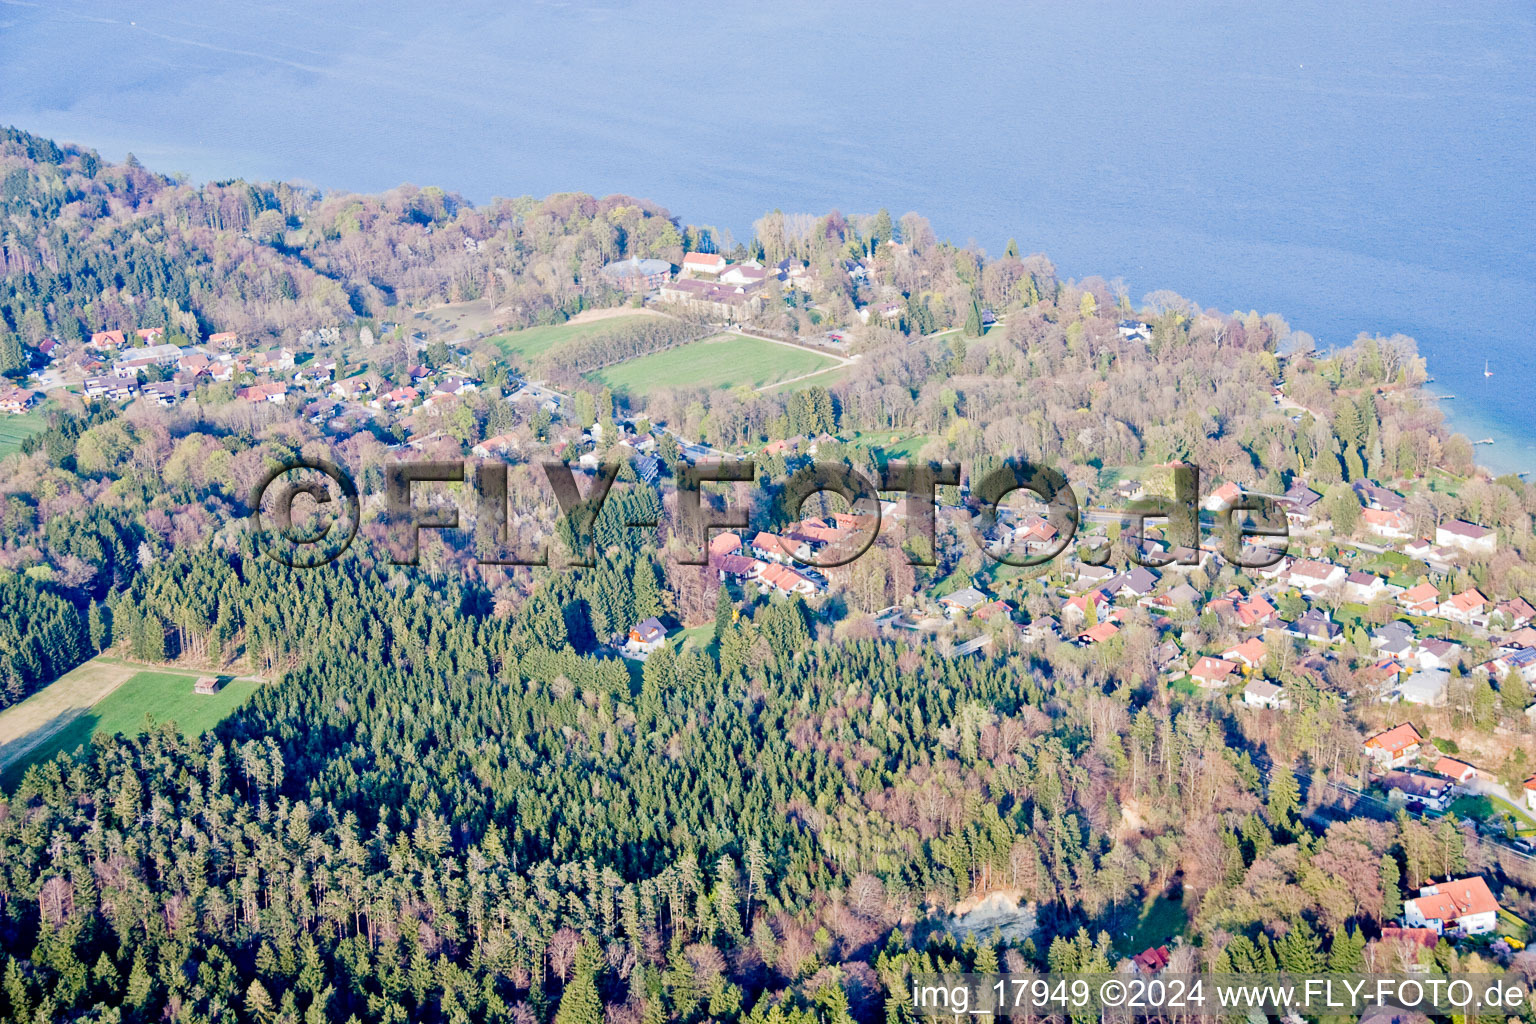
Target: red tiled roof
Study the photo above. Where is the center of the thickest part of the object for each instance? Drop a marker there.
(1396, 739)
(1458, 898)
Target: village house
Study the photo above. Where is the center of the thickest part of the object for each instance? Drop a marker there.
(224, 340)
(399, 398)
(1516, 659)
(16, 401)
(1075, 610)
(1420, 599)
(1388, 524)
(495, 447)
(1383, 676)
(108, 339)
(1137, 582)
(1034, 533)
(780, 548)
(1377, 498)
(1314, 626)
(1135, 330)
(1223, 497)
(1394, 748)
(644, 638)
(1468, 537)
(750, 274)
(1128, 490)
(722, 544)
(1365, 587)
(1181, 595)
(135, 359)
(1430, 791)
(1310, 575)
(1514, 613)
(1212, 673)
(1396, 638)
(1427, 686)
(166, 392)
(1250, 654)
(785, 580)
(115, 387)
(1459, 772)
(351, 388)
(737, 567)
(1435, 653)
(1254, 612)
(1530, 784)
(1469, 607)
(703, 264)
(273, 391)
(1300, 504)
(1261, 693)
(1465, 906)
(962, 602)
(1098, 634)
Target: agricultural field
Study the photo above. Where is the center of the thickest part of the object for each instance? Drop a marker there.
(724, 361)
(522, 347)
(16, 429)
(119, 698)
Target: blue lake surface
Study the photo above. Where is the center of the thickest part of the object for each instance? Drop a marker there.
(1360, 167)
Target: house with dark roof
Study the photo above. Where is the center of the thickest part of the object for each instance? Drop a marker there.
(1428, 791)
(963, 602)
(1374, 496)
(644, 638)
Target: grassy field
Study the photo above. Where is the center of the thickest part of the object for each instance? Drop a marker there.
(1161, 920)
(1481, 807)
(522, 347)
(106, 697)
(16, 429)
(824, 378)
(894, 444)
(724, 361)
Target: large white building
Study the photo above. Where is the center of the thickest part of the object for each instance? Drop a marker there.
(1468, 537)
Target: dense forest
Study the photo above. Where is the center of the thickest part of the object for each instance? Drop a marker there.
(448, 803)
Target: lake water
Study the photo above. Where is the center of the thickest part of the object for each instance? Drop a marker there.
(1354, 167)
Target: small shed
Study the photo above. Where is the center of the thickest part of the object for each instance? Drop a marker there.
(206, 684)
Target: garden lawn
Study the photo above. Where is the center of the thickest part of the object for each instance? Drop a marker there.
(16, 429)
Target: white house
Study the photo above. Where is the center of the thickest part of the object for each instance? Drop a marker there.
(1364, 587)
(1261, 693)
(708, 264)
(644, 638)
(1468, 537)
(1431, 791)
(1307, 573)
(1465, 905)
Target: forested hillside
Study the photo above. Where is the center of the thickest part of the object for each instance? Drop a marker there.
(450, 801)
